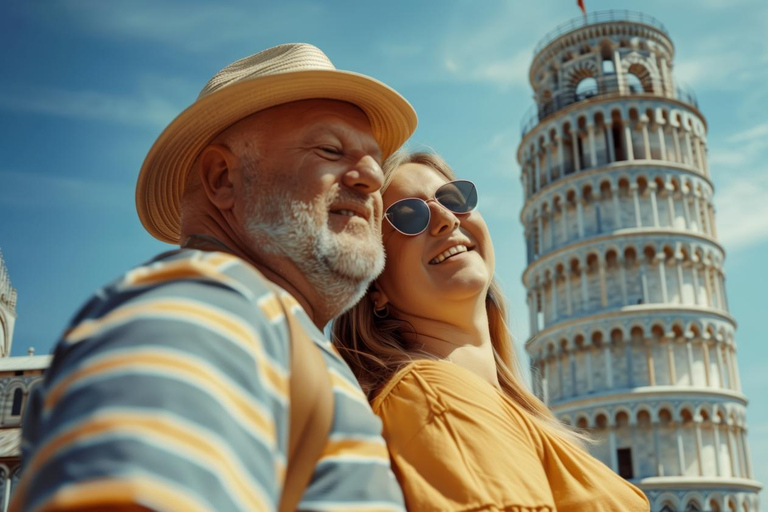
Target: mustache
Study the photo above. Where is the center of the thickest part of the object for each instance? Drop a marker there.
(344, 195)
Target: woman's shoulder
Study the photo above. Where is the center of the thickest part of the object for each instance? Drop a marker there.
(432, 383)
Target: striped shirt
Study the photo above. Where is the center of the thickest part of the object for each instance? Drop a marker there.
(170, 390)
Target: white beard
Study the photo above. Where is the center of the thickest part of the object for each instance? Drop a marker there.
(339, 266)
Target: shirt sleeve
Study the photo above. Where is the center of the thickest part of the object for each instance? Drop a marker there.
(174, 398)
(453, 448)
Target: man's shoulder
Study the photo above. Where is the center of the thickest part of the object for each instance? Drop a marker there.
(195, 267)
(180, 294)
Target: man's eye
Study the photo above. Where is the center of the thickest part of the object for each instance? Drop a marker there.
(330, 150)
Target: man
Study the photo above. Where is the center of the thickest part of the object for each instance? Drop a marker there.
(170, 390)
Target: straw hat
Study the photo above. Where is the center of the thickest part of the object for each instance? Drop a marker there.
(282, 74)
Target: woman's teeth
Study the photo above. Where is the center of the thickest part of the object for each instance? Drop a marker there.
(348, 213)
(456, 249)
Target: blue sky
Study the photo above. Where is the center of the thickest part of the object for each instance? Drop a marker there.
(88, 85)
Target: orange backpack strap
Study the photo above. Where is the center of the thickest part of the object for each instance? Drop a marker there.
(311, 412)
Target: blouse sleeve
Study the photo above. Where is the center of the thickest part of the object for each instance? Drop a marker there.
(454, 447)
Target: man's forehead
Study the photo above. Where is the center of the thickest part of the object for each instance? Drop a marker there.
(306, 116)
(304, 111)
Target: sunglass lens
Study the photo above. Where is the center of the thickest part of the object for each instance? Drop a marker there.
(458, 196)
(410, 216)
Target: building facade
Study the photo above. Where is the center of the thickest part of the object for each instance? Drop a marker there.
(18, 376)
(631, 336)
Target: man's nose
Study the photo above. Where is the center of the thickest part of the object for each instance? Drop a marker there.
(365, 176)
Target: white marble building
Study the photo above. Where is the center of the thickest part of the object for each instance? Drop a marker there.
(631, 336)
(18, 376)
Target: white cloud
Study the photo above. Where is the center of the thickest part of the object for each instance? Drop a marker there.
(142, 110)
(201, 27)
(37, 191)
(742, 211)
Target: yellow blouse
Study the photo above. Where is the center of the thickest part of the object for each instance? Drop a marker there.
(458, 444)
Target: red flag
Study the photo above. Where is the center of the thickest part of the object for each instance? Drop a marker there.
(581, 6)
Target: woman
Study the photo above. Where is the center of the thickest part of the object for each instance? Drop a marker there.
(430, 347)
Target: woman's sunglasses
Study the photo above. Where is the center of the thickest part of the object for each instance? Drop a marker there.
(411, 215)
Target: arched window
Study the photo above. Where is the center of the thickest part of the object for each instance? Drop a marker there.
(634, 84)
(18, 397)
(586, 88)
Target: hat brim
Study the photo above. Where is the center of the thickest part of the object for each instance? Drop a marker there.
(164, 172)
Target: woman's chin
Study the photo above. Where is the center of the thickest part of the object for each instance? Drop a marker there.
(464, 284)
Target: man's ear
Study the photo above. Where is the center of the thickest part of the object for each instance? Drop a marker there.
(217, 165)
(378, 297)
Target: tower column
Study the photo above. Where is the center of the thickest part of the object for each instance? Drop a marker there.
(689, 353)
(612, 447)
(676, 137)
(537, 170)
(679, 266)
(590, 376)
(580, 217)
(699, 448)
(592, 149)
(609, 136)
(696, 291)
(706, 228)
(708, 287)
(646, 142)
(650, 364)
(747, 455)
(662, 142)
(548, 150)
(623, 282)
(680, 449)
(616, 208)
(716, 439)
(554, 298)
(636, 200)
(564, 221)
(671, 206)
(568, 294)
(671, 361)
(687, 212)
(720, 364)
(560, 157)
(551, 230)
(575, 148)
(707, 369)
(654, 205)
(603, 290)
(663, 276)
(657, 450)
(732, 452)
(608, 365)
(718, 288)
(584, 291)
(688, 152)
(699, 219)
(572, 358)
(628, 141)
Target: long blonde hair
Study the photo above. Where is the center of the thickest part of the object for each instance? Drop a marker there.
(375, 349)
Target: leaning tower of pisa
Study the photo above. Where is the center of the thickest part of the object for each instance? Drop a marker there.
(631, 336)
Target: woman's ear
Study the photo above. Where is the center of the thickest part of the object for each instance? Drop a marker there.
(378, 297)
